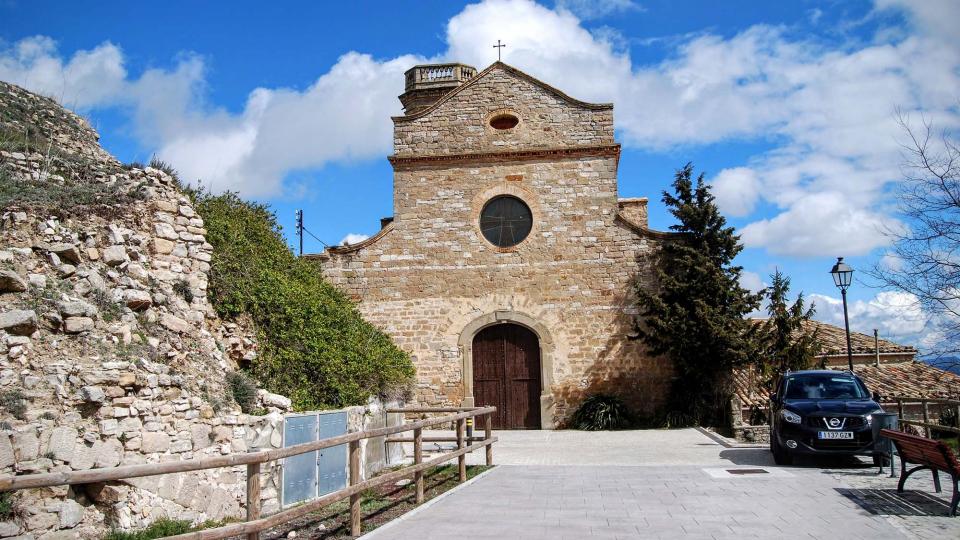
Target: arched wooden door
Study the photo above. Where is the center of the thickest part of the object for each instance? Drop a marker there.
(506, 374)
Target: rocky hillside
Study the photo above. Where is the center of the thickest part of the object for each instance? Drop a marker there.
(110, 352)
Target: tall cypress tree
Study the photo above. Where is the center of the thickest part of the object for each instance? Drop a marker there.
(785, 342)
(695, 314)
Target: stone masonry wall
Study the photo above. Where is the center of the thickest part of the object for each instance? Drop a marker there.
(461, 124)
(430, 274)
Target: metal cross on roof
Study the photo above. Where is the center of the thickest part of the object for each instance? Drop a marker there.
(499, 46)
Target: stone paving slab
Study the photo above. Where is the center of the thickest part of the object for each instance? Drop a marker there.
(611, 502)
(651, 447)
(920, 512)
(673, 484)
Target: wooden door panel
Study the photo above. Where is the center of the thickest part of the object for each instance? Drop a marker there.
(506, 374)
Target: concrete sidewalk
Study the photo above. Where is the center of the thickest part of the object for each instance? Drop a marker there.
(629, 502)
(663, 484)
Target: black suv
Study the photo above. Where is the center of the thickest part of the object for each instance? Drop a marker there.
(821, 413)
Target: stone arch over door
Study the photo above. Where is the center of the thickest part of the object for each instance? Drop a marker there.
(547, 348)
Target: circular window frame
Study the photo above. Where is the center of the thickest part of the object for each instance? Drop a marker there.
(515, 199)
(493, 115)
(504, 122)
(528, 198)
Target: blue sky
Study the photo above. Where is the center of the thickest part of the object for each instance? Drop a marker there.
(788, 107)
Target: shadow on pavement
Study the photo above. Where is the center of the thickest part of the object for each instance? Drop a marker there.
(889, 502)
(763, 457)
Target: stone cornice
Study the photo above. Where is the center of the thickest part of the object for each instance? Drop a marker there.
(405, 162)
(350, 248)
(647, 232)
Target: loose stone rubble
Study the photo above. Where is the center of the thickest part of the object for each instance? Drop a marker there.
(102, 363)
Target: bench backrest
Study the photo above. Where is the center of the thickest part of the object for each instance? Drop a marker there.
(925, 451)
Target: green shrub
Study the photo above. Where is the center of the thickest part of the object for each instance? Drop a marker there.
(9, 509)
(157, 163)
(314, 345)
(158, 529)
(182, 287)
(243, 391)
(12, 401)
(601, 412)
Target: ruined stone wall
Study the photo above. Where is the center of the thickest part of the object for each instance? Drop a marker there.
(110, 353)
(431, 273)
(461, 123)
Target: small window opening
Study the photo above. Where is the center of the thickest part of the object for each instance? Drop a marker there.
(504, 121)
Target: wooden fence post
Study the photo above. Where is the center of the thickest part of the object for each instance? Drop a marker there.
(461, 459)
(900, 410)
(487, 434)
(418, 459)
(253, 496)
(354, 480)
(926, 418)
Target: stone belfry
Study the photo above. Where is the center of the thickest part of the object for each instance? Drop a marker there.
(425, 84)
(507, 267)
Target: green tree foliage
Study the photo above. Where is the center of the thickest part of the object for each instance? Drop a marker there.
(314, 345)
(784, 342)
(695, 313)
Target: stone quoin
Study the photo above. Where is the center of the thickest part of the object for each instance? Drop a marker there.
(557, 255)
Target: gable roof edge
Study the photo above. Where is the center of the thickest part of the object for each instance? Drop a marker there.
(517, 72)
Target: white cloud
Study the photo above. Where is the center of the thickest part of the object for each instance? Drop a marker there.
(736, 190)
(896, 315)
(752, 281)
(828, 110)
(597, 9)
(816, 225)
(91, 78)
(353, 238)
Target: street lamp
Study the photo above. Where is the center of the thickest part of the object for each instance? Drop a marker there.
(842, 277)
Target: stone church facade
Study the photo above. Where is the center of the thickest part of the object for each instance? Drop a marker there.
(506, 270)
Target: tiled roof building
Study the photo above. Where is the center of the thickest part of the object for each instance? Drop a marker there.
(886, 367)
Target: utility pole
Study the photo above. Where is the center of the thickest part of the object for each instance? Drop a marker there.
(299, 214)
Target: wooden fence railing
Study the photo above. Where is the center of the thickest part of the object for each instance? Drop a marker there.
(255, 523)
(924, 403)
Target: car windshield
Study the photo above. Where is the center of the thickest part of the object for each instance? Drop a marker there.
(823, 386)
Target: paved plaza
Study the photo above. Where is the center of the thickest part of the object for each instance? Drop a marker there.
(670, 484)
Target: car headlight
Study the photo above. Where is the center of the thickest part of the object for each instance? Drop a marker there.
(790, 416)
(869, 417)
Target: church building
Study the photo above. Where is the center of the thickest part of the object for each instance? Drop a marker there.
(507, 268)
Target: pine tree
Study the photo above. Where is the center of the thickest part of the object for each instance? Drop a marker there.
(785, 341)
(695, 314)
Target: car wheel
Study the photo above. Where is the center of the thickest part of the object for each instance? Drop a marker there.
(781, 456)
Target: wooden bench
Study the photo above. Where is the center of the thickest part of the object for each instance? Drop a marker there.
(926, 454)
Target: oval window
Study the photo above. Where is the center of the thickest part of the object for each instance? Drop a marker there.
(505, 221)
(504, 121)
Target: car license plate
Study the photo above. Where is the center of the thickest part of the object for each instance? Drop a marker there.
(835, 435)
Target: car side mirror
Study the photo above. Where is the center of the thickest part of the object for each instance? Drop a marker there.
(773, 397)
(876, 397)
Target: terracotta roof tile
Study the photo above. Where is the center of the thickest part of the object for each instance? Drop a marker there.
(833, 340)
(908, 379)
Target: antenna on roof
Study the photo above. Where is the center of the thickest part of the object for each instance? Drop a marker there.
(876, 347)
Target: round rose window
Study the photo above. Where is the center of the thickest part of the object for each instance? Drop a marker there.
(505, 221)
